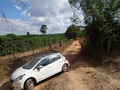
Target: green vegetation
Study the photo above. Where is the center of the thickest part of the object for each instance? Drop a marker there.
(28, 33)
(43, 29)
(11, 43)
(102, 20)
(73, 32)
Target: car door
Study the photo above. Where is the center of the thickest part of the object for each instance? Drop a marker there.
(57, 63)
(44, 69)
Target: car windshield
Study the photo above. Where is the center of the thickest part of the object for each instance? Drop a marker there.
(31, 63)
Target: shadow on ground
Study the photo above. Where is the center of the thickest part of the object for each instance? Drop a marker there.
(6, 86)
(83, 61)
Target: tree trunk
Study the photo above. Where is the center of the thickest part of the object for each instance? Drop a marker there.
(55, 43)
(61, 43)
(109, 45)
(33, 49)
(14, 56)
(102, 47)
(49, 44)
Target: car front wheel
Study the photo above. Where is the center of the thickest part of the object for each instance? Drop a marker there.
(65, 68)
(29, 85)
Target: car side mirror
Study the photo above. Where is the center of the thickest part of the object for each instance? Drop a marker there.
(39, 67)
(63, 57)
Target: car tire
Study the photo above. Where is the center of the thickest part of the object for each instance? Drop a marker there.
(65, 68)
(29, 85)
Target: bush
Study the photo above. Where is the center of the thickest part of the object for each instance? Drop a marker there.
(13, 44)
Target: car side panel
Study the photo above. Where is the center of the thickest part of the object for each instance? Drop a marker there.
(43, 73)
(57, 66)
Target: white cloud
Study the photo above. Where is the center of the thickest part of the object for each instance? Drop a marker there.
(25, 13)
(41, 19)
(54, 13)
(17, 7)
(18, 27)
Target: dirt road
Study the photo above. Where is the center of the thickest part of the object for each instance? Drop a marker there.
(68, 80)
(83, 75)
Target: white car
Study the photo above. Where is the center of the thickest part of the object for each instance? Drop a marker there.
(38, 69)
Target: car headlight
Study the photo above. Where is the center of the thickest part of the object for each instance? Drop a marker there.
(20, 77)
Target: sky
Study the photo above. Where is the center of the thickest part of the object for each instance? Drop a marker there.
(29, 15)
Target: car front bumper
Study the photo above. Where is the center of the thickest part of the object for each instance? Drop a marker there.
(17, 85)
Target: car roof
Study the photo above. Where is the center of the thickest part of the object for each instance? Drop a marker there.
(44, 55)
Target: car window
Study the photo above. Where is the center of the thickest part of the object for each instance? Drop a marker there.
(55, 58)
(31, 63)
(43, 63)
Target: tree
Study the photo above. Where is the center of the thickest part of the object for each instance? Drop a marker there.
(101, 19)
(28, 33)
(72, 32)
(43, 29)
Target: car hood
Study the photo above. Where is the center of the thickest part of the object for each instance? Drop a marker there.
(18, 72)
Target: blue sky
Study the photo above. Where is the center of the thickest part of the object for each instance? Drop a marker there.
(7, 6)
(54, 13)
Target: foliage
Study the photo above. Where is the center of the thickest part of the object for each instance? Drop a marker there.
(43, 29)
(15, 44)
(72, 32)
(28, 33)
(102, 22)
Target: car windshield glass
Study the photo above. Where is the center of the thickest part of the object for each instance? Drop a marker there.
(55, 58)
(31, 63)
